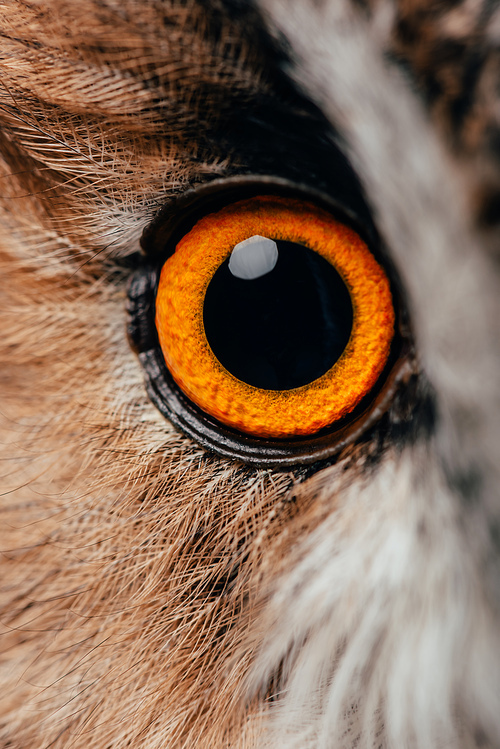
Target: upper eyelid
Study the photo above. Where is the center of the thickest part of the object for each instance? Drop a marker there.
(174, 217)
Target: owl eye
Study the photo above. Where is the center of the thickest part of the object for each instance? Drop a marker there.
(273, 317)
(265, 325)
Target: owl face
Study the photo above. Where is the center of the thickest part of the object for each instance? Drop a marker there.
(249, 374)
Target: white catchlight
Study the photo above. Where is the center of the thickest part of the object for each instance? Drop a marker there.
(254, 257)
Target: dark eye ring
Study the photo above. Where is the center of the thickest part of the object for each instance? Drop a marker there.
(165, 327)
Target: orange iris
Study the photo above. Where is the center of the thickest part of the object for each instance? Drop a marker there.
(303, 410)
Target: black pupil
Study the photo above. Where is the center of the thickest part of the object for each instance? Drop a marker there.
(283, 329)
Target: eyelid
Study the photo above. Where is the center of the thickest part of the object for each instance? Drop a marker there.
(181, 211)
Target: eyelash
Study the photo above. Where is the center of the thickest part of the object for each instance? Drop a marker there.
(259, 424)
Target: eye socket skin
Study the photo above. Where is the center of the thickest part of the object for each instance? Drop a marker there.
(161, 238)
(183, 283)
